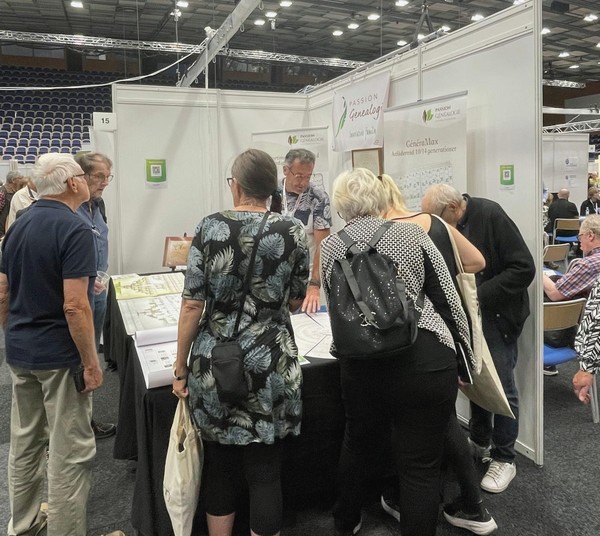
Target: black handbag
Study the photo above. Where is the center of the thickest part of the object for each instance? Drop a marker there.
(227, 356)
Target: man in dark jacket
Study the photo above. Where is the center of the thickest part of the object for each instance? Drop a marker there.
(561, 208)
(502, 291)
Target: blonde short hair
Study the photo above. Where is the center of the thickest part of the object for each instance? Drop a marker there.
(591, 223)
(394, 195)
(359, 193)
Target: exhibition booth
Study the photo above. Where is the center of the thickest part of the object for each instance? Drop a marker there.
(173, 147)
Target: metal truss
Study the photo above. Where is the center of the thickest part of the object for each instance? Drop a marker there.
(579, 126)
(182, 48)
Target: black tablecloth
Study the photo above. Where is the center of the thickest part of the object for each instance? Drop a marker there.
(145, 417)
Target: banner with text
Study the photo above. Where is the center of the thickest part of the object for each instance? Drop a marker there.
(358, 113)
(425, 144)
(278, 143)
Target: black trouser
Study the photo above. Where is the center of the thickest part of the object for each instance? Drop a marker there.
(380, 392)
(260, 465)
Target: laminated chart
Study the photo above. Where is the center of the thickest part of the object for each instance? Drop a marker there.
(416, 181)
(144, 286)
(313, 335)
(142, 314)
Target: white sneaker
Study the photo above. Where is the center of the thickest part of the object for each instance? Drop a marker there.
(499, 475)
(479, 452)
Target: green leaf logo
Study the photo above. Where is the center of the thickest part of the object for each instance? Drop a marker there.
(342, 118)
(427, 115)
(292, 140)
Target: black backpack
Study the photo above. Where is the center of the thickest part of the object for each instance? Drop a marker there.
(371, 315)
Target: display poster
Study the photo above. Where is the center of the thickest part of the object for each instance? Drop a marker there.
(357, 113)
(277, 143)
(156, 173)
(426, 144)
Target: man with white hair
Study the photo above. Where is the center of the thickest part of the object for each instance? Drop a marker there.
(502, 292)
(47, 275)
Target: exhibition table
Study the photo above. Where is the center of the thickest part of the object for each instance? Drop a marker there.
(145, 417)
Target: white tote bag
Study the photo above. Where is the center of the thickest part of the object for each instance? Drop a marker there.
(183, 471)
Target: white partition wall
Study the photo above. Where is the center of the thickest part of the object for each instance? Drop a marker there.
(198, 133)
(565, 163)
(497, 62)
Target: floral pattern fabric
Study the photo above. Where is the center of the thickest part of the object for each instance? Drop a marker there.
(217, 265)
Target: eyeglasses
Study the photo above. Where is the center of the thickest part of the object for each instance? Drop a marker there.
(581, 234)
(100, 177)
(229, 181)
(300, 176)
(80, 176)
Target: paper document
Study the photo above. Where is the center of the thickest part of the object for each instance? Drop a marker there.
(143, 314)
(312, 334)
(144, 286)
(157, 350)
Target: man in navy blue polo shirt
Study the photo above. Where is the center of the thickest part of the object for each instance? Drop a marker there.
(47, 276)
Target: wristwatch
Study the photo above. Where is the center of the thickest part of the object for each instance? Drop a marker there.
(314, 283)
(179, 378)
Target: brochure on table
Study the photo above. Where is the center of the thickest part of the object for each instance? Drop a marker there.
(156, 350)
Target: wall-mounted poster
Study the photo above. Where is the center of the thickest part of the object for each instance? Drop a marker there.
(156, 173)
(371, 159)
(426, 144)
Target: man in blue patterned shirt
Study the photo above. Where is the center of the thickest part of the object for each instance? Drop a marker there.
(309, 202)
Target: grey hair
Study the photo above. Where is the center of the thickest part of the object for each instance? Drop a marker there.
(591, 223)
(87, 160)
(359, 193)
(438, 197)
(12, 176)
(51, 172)
(304, 155)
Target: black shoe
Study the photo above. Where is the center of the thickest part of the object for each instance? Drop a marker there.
(481, 523)
(111, 366)
(349, 532)
(550, 371)
(102, 430)
(390, 506)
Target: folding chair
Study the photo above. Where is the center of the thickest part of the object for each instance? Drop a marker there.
(566, 224)
(557, 253)
(563, 315)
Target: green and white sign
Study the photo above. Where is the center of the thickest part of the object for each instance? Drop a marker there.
(507, 176)
(156, 173)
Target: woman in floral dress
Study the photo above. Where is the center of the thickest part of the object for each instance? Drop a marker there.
(242, 441)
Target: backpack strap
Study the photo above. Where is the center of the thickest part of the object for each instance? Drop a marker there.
(355, 289)
(351, 244)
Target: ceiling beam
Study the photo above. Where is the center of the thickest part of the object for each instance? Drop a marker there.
(220, 38)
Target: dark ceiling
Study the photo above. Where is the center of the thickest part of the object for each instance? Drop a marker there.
(305, 28)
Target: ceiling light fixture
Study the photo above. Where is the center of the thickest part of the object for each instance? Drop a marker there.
(445, 28)
(563, 83)
(477, 17)
(402, 43)
(259, 22)
(337, 33)
(590, 18)
(517, 2)
(564, 54)
(545, 31)
(285, 3)
(575, 66)
(271, 14)
(373, 16)
(401, 3)
(353, 26)
(75, 3)
(421, 36)
(182, 3)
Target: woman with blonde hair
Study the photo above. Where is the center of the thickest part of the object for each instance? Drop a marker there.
(413, 390)
(467, 511)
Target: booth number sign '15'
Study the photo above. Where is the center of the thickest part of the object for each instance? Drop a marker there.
(105, 121)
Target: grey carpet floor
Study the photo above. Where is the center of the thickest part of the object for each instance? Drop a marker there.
(559, 499)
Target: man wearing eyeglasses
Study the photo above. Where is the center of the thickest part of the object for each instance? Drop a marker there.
(97, 168)
(579, 280)
(309, 203)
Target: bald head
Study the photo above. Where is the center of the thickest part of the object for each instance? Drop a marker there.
(563, 193)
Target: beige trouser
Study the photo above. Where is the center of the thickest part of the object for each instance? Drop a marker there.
(48, 411)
